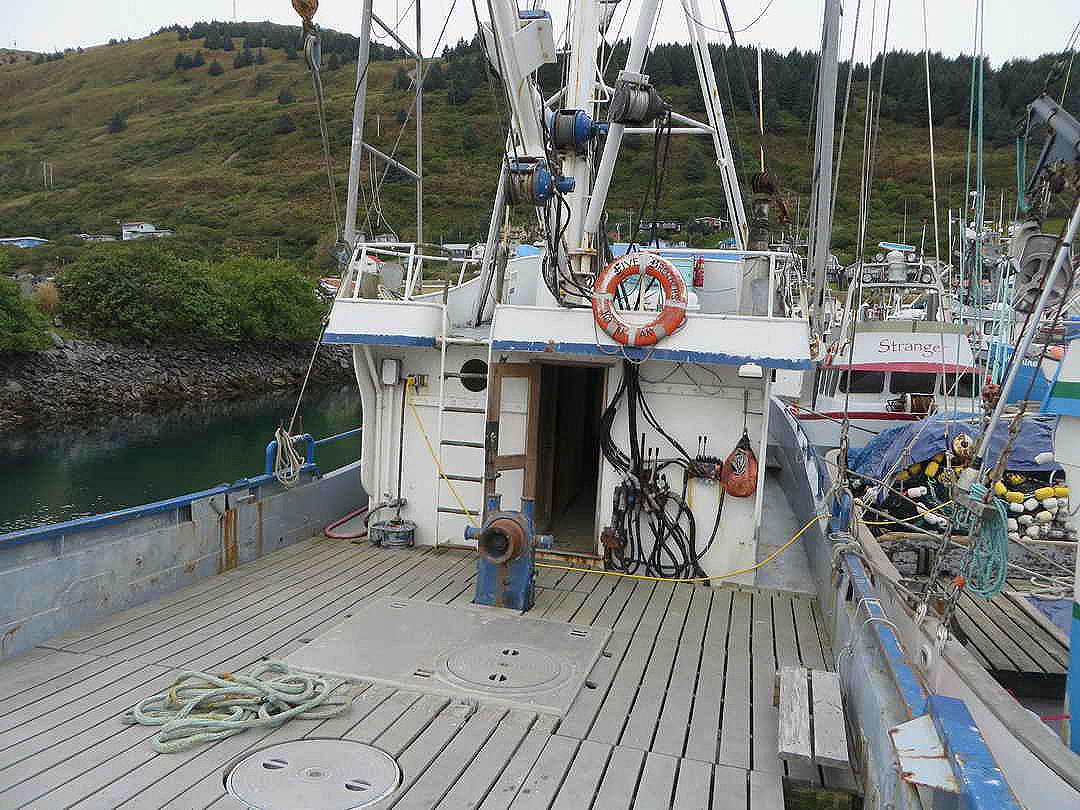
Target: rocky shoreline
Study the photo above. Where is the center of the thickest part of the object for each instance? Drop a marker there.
(81, 381)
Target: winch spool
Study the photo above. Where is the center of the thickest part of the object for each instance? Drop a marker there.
(571, 130)
(534, 182)
(635, 100)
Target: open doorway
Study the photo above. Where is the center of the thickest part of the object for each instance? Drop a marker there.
(568, 463)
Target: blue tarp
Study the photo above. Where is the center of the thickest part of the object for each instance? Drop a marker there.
(881, 452)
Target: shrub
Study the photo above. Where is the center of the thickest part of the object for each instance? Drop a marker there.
(216, 69)
(284, 125)
(118, 122)
(333, 63)
(47, 298)
(144, 292)
(285, 97)
(22, 327)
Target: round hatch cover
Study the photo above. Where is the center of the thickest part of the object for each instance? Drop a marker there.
(317, 773)
(504, 668)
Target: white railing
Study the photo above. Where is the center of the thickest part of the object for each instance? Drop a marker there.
(413, 267)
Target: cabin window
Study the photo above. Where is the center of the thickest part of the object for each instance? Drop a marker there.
(863, 382)
(911, 382)
(964, 388)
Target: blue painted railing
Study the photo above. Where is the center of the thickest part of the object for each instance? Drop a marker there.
(170, 504)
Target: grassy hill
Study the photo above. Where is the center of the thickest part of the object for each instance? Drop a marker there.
(212, 157)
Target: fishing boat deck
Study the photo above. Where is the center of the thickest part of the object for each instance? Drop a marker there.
(677, 712)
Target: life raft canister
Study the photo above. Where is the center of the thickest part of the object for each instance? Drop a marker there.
(671, 317)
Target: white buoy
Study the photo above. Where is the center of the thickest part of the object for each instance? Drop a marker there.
(1033, 531)
(1013, 525)
(1031, 505)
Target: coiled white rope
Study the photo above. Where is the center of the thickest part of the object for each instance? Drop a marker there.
(287, 461)
(200, 708)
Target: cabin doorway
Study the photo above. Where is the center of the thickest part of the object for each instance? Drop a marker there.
(568, 462)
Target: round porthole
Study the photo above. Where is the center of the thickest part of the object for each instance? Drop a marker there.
(474, 375)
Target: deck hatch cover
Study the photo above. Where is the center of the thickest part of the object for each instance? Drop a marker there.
(329, 774)
(479, 653)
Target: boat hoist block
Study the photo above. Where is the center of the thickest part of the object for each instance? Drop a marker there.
(506, 567)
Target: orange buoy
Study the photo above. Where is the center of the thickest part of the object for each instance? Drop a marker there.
(671, 317)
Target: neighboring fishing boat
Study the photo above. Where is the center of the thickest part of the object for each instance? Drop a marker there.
(897, 356)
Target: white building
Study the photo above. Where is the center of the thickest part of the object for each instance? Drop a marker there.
(142, 230)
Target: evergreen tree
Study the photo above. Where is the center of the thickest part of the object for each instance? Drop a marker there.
(333, 63)
(435, 79)
(402, 80)
(260, 57)
(118, 122)
(284, 125)
(198, 60)
(227, 43)
(285, 97)
(216, 69)
(183, 34)
(290, 53)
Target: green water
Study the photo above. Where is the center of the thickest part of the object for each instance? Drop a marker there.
(59, 473)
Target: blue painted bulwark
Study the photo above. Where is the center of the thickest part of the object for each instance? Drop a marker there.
(1074, 681)
(982, 785)
(673, 355)
(378, 340)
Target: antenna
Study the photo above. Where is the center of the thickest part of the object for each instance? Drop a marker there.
(234, 10)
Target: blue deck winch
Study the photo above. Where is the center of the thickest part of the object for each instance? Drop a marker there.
(506, 567)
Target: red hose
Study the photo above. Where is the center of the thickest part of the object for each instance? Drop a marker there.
(329, 530)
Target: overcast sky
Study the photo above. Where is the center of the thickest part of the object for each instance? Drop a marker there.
(1014, 28)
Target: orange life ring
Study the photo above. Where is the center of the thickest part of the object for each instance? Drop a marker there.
(671, 317)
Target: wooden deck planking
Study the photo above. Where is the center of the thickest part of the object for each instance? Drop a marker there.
(674, 681)
(735, 724)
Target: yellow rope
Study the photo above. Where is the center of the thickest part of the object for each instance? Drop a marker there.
(741, 571)
(919, 515)
(435, 456)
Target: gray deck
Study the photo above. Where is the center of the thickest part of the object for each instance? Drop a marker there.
(1005, 638)
(678, 711)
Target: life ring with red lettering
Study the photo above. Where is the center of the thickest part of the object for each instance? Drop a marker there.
(671, 317)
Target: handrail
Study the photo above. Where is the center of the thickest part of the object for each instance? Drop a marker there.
(83, 524)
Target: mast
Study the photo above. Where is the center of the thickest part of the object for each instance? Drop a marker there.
(635, 60)
(580, 95)
(821, 227)
(357, 149)
(419, 131)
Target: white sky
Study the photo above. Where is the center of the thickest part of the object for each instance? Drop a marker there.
(1014, 28)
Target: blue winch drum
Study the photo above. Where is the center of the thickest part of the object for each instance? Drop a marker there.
(393, 533)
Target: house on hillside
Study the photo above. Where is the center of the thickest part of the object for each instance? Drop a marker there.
(142, 230)
(96, 237)
(23, 241)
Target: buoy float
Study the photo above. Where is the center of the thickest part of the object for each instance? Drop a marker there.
(671, 317)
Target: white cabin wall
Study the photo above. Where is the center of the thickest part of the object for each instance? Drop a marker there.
(420, 479)
(686, 411)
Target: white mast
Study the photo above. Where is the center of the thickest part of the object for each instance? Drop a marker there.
(821, 226)
(580, 95)
(363, 54)
(635, 59)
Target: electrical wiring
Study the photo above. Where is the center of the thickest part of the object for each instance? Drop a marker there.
(794, 539)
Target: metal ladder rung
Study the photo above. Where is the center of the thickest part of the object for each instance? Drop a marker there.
(457, 443)
(472, 479)
(460, 409)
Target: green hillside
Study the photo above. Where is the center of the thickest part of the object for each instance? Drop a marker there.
(233, 161)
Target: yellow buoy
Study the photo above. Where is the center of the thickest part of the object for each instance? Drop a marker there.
(1014, 497)
(932, 468)
(1000, 489)
(1061, 492)
(1042, 493)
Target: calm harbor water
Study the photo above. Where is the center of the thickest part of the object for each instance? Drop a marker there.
(56, 474)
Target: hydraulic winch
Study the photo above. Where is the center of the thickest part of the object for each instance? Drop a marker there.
(506, 566)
